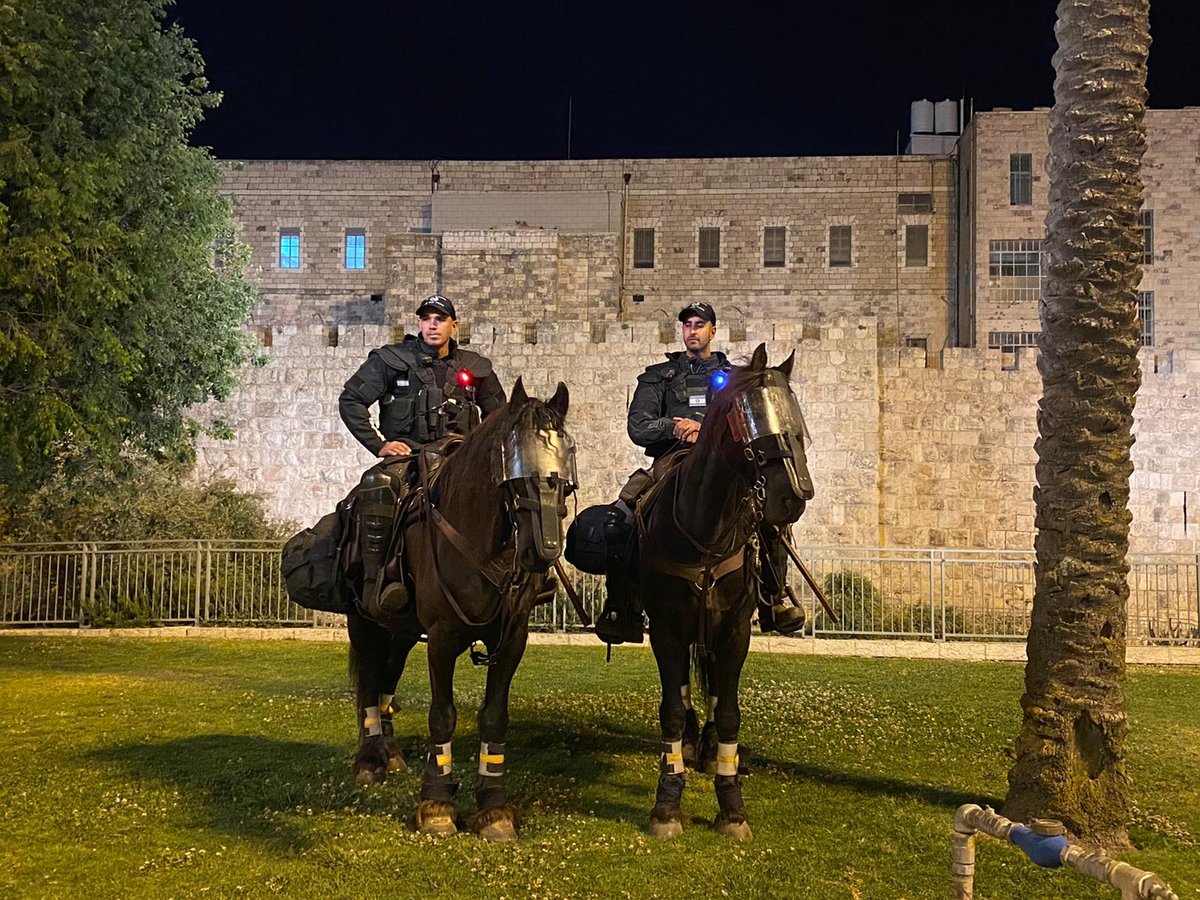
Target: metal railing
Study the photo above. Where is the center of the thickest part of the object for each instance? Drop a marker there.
(880, 592)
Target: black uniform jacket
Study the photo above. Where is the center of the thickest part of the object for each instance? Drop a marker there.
(676, 389)
(410, 382)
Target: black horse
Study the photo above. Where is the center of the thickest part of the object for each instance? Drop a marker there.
(475, 546)
(698, 567)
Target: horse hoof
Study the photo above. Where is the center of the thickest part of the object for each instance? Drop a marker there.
(395, 761)
(499, 824)
(436, 818)
(367, 775)
(666, 830)
(736, 828)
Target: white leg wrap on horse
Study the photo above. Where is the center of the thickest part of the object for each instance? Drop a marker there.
(672, 758)
(727, 759)
(385, 702)
(685, 692)
(491, 758)
(371, 724)
(440, 757)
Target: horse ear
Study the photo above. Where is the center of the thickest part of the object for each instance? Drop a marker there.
(786, 366)
(518, 392)
(559, 402)
(758, 361)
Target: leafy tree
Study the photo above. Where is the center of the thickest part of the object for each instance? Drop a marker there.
(1070, 751)
(114, 317)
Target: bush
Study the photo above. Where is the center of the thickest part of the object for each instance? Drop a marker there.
(140, 499)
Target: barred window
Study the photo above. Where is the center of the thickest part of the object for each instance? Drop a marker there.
(916, 246)
(710, 248)
(1147, 221)
(914, 203)
(1011, 340)
(1018, 267)
(1020, 179)
(1146, 316)
(643, 248)
(356, 248)
(774, 246)
(289, 248)
(840, 245)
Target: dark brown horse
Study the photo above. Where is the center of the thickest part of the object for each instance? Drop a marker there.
(475, 546)
(698, 567)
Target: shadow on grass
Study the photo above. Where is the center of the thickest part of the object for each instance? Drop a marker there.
(238, 784)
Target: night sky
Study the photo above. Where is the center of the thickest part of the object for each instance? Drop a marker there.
(393, 79)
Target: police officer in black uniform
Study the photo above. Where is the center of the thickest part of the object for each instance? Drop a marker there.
(426, 387)
(666, 413)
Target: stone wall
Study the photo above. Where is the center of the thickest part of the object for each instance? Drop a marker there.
(908, 449)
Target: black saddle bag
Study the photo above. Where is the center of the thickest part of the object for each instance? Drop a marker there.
(310, 566)
(595, 535)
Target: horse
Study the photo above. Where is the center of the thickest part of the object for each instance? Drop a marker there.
(697, 568)
(476, 541)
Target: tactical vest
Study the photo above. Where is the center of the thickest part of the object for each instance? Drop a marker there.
(415, 406)
(688, 394)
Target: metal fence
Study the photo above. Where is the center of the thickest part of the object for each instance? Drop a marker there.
(876, 592)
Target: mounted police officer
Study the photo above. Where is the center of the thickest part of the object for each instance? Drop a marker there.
(427, 387)
(666, 413)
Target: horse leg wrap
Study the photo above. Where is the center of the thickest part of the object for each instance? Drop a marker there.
(372, 722)
(436, 784)
(727, 759)
(491, 759)
(670, 791)
(385, 714)
(490, 794)
(729, 794)
(671, 761)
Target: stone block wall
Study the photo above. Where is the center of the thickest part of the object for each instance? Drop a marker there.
(908, 449)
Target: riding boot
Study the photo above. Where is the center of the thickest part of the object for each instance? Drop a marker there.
(776, 612)
(620, 622)
(376, 510)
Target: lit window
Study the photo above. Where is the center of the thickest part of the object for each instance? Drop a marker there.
(1147, 236)
(1020, 179)
(1146, 317)
(356, 248)
(289, 248)
(1018, 267)
(643, 248)
(710, 248)
(840, 244)
(916, 245)
(774, 246)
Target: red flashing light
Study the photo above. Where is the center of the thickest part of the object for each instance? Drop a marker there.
(465, 378)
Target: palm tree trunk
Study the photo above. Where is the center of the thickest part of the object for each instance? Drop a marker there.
(1070, 752)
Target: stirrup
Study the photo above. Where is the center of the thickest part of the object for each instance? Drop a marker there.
(612, 627)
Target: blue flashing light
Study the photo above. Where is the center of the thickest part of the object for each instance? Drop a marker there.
(719, 380)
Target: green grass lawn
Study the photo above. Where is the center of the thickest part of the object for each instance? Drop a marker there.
(206, 768)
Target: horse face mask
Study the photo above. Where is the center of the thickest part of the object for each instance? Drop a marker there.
(538, 467)
(768, 422)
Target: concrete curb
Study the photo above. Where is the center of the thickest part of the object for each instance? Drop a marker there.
(998, 651)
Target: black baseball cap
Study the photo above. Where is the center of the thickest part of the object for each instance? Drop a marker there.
(437, 303)
(703, 310)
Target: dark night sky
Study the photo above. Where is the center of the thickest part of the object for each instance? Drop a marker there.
(394, 79)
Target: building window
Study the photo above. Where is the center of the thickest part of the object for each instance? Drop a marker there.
(840, 242)
(289, 248)
(643, 248)
(1147, 236)
(914, 203)
(774, 246)
(1011, 340)
(1146, 316)
(1020, 179)
(1018, 267)
(916, 245)
(710, 248)
(356, 248)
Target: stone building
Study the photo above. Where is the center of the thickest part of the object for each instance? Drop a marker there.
(907, 285)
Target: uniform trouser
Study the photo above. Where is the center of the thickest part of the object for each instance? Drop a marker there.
(376, 509)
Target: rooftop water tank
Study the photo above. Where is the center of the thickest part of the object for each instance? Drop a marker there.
(945, 116)
(922, 118)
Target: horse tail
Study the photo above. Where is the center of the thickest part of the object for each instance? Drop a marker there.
(699, 679)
